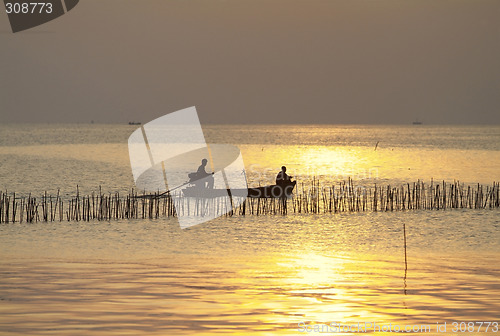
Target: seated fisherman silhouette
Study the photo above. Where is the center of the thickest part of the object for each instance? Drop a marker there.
(283, 179)
(201, 178)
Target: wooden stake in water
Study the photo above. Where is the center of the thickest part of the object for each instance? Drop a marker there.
(406, 258)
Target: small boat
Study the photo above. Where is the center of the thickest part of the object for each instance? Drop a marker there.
(134, 123)
(271, 191)
(416, 122)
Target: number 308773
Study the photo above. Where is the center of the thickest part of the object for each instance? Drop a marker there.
(28, 7)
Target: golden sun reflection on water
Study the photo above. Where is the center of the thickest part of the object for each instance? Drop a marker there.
(317, 289)
(338, 288)
(259, 294)
(393, 165)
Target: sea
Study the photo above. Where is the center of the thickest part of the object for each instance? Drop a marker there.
(418, 271)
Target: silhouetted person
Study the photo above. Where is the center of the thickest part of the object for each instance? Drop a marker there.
(283, 178)
(201, 174)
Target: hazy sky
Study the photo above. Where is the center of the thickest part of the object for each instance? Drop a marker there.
(250, 61)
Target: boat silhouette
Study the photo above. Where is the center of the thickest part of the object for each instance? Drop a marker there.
(284, 190)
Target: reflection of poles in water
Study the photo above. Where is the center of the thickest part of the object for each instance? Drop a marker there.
(406, 259)
(406, 264)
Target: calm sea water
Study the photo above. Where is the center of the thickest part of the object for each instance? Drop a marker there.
(254, 275)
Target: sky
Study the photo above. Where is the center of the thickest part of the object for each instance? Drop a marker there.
(253, 61)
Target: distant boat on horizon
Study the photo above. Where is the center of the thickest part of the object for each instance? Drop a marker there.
(133, 123)
(416, 122)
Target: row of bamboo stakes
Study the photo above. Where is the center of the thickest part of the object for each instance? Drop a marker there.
(307, 198)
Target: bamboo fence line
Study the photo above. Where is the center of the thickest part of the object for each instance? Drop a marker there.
(346, 197)
(308, 198)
